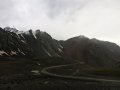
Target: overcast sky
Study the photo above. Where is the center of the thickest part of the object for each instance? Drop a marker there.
(64, 18)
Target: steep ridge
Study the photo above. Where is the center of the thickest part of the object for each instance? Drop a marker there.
(92, 51)
(38, 44)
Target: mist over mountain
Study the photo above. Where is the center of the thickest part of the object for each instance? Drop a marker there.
(38, 44)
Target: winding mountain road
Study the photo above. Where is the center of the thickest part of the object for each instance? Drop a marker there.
(45, 71)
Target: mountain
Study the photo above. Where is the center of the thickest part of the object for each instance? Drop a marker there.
(29, 44)
(92, 51)
(40, 45)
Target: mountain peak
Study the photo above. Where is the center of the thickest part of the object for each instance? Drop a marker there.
(92, 51)
(11, 29)
(28, 44)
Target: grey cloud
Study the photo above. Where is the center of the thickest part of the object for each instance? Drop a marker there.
(92, 18)
(9, 14)
(67, 7)
(6, 7)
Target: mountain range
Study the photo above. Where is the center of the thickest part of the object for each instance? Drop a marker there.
(40, 45)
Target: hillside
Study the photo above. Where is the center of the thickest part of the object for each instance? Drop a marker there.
(92, 51)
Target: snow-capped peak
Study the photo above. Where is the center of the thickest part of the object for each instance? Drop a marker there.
(11, 29)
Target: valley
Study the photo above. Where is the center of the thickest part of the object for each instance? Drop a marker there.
(17, 75)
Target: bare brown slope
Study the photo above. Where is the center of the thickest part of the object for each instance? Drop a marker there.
(92, 51)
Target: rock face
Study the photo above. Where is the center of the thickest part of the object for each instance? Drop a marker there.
(92, 51)
(38, 44)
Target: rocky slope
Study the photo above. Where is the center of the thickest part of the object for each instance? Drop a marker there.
(38, 44)
(92, 51)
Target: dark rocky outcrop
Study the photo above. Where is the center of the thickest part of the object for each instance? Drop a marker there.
(38, 44)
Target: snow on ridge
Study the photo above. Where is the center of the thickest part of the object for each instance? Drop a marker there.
(60, 46)
(13, 53)
(34, 34)
(46, 52)
(38, 31)
(27, 32)
(23, 41)
(19, 32)
(11, 29)
(3, 52)
(22, 36)
(21, 51)
(60, 50)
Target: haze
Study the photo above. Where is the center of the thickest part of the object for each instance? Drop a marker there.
(64, 19)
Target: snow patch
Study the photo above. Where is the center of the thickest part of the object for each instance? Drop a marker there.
(19, 32)
(3, 52)
(38, 63)
(11, 29)
(13, 53)
(36, 72)
(60, 46)
(18, 50)
(21, 51)
(60, 50)
(34, 35)
(22, 35)
(23, 41)
(47, 53)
